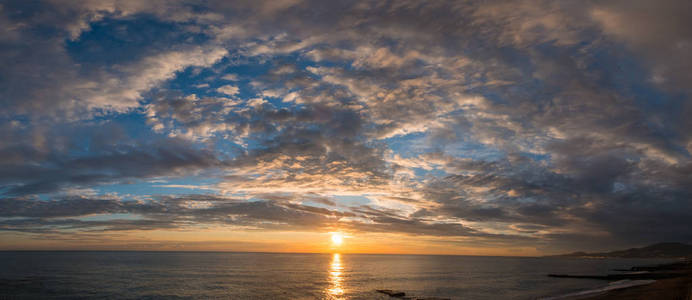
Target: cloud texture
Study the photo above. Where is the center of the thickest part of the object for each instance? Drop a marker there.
(546, 123)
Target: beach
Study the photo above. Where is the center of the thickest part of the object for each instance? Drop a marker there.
(674, 288)
(678, 286)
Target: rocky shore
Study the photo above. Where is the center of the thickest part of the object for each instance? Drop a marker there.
(669, 281)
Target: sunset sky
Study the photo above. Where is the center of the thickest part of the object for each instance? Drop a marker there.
(445, 127)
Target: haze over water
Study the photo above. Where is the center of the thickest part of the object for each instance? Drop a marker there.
(226, 275)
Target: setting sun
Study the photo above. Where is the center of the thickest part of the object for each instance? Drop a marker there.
(337, 238)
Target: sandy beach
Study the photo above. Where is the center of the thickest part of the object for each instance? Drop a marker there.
(675, 288)
(678, 287)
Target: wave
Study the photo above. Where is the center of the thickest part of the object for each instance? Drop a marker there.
(616, 285)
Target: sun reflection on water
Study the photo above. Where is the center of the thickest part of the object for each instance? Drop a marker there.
(335, 289)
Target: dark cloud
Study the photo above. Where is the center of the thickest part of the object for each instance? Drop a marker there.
(186, 212)
(43, 160)
(543, 121)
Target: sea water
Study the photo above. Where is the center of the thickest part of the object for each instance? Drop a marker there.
(230, 275)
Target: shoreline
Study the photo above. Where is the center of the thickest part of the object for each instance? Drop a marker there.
(586, 294)
(672, 288)
(666, 281)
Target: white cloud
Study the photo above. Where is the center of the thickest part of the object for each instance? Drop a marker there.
(230, 77)
(228, 90)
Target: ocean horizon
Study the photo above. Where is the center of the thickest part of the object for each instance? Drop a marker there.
(67, 274)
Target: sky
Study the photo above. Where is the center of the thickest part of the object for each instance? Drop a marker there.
(440, 127)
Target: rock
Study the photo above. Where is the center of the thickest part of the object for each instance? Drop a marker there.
(391, 293)
(614, 277)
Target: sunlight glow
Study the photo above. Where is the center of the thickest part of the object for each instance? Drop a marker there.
(337, 239)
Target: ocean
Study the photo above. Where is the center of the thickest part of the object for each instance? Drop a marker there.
(231, 275)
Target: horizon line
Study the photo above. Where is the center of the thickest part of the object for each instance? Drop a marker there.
(265, 252)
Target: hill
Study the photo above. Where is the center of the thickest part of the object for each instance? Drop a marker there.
(660, 250)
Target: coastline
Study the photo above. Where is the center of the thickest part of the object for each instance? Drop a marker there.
(667, 281)
(673, 288)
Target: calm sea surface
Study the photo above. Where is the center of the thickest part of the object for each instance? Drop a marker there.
(214, 275)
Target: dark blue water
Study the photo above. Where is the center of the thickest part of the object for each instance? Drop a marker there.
(214, 275)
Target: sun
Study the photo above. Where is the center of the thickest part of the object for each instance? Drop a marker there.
(337, 238)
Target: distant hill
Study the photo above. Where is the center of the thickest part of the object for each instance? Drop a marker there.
(660, 250)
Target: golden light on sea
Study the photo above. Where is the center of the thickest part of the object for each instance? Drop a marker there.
(335, 290)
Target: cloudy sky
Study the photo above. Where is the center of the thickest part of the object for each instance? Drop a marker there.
(468, 127)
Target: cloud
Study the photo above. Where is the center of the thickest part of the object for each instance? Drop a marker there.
(39, 160)
(49, 218)
(230, 77)
(660, 32)
(49, 80)
(515, 121)
(228, 90)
